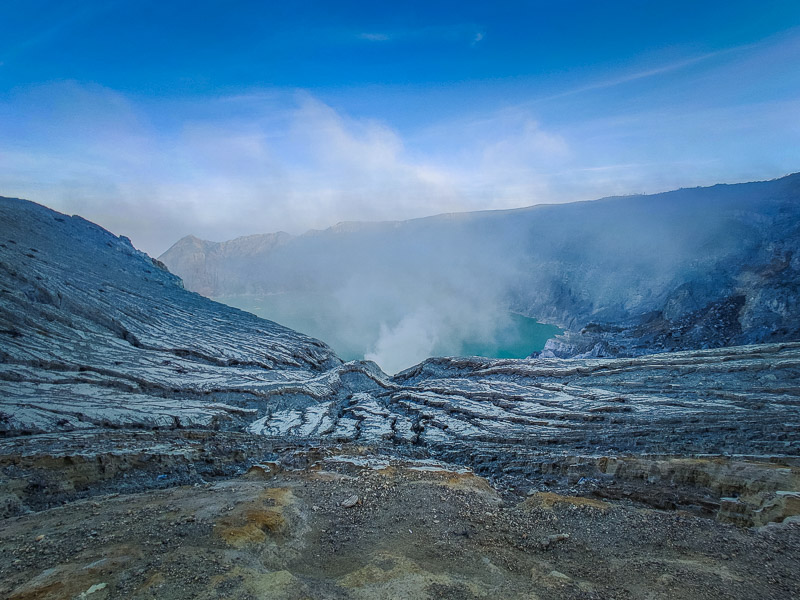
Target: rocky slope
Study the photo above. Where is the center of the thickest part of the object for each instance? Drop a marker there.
(94, 333)
(688, 269)
(200, 451)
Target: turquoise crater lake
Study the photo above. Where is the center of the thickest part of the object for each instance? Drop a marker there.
(510, 335)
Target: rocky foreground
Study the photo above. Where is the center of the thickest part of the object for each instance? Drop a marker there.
(349, 525)
(156, 444)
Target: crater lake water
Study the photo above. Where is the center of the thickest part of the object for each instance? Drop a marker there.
(520, 337)
(318, 315)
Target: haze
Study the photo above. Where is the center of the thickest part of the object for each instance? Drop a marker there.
(158, 120)
(696, 267)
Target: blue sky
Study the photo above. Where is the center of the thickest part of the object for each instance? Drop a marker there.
(158, 119)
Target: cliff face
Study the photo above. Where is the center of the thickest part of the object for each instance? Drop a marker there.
(693, 268)
(94, 333)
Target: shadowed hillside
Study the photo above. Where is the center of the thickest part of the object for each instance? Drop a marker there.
(693, 268)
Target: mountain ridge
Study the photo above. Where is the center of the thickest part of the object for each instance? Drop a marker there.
(339, 225)
(674, 258)
(113, 378)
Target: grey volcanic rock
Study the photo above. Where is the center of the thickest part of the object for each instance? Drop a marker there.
(689, 269)
(742, 400)
(115, 378)
(94, 333)
(732, 400)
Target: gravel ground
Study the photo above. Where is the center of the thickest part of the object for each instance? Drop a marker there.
(349, 528)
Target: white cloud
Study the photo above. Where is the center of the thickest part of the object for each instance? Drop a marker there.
(244, 164)
(528, 147)
(273, 160)
(456, 33)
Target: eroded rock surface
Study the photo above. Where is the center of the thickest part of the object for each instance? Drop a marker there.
(157, 444)
(94, 333)
(741, 400)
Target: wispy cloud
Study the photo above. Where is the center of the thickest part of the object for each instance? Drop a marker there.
(744, 53)
(454, 33)
(291, 164)
(374, 37)
(635, 75)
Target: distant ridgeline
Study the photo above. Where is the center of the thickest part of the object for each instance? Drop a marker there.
(692, 268)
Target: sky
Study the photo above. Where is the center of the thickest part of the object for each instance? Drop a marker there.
(220, 119)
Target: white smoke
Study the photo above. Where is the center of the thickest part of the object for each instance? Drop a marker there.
(409, 342)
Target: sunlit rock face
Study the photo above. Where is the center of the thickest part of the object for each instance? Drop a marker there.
(693, 268)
